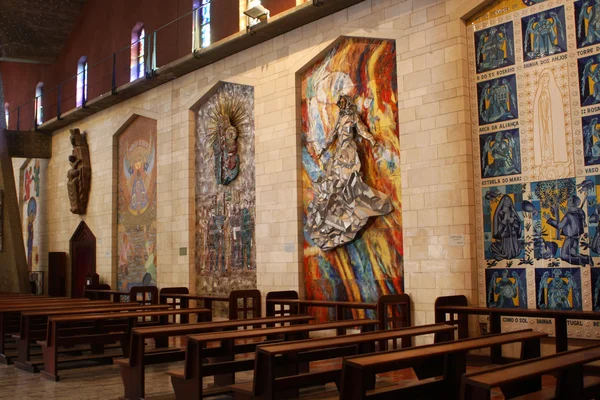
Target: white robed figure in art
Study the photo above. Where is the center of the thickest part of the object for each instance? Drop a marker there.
(343, 202)
(549, 138)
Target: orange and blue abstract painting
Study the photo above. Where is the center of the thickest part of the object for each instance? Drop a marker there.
(372, 264)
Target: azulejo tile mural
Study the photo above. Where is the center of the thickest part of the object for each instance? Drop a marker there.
(225, 191)
(136, 202)
(350, 154)
(536, 164)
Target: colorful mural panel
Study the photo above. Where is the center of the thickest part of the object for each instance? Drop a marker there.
(591, 139)
(587, 16)
(495, 47)
(558, 288)
(589, 77)
(498, 100)
(136, 199)
(225, 194)
(370, 265)
(506, 288)
(544, 34)
(555, 214)
(500, 153)
(33, 212)
(503, 224)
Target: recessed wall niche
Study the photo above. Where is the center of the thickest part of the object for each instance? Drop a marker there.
(225, 251)
(351, 172)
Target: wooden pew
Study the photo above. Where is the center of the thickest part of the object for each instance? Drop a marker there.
(439, 367)
(99, 336)
(188, 383)
(132, 368)
(10, 320)
(269, 382)
(523, 379)
(31, 331)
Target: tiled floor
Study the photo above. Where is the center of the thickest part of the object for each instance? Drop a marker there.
(104, 382)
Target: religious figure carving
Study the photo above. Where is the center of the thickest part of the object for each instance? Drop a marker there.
(226, 119)
(343, 202)
(80, 175)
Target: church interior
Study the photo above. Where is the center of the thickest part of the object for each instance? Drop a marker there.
(320, 199)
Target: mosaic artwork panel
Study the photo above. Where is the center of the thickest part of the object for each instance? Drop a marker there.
(497, 99)
(587, 17)
(589, 188)
(500, 153)
(558, 288)
(495, 47)
(595, 272)
(548, 148)
(591, 139)
(372, 264)
(136, 202)
(225, 257)
(503, 224)
(589, 77)
(544, 34)
(506, 288)
(33, 210)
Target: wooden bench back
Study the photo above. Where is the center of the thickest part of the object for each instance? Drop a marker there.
(97, 296)
(245, 304)
(280, 310)
(460, 320)
(175, 301)
(146, 295)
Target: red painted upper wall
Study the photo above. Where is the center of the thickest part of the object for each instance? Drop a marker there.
(104, 28)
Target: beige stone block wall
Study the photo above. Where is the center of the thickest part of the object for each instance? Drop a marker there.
(435, 140)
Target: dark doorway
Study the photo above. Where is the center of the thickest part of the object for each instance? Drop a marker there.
(83, 258)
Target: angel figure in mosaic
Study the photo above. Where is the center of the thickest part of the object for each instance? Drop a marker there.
(138, 166)
(588, 23)
(343, 202)
(545, 33)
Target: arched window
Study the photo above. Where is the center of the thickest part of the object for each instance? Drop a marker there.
(82, 81)
(6, 113)
(138, 40)
(201, 24)
(39, 109)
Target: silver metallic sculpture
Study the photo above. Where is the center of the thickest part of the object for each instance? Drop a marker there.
(342, 202)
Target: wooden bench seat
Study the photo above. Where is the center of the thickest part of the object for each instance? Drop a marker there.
(523, 379)
(188, 385)
(267, 384)
(10, 319)
(31, 331)
(447, 360)
(104, 334)
(132, 368)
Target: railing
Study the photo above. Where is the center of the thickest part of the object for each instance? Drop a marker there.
(162, 46)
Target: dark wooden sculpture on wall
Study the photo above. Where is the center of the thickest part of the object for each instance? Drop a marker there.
(80, 174)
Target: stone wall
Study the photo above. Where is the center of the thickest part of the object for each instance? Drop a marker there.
(435, 158)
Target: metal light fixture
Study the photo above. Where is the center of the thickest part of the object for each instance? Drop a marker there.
(256, 12)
